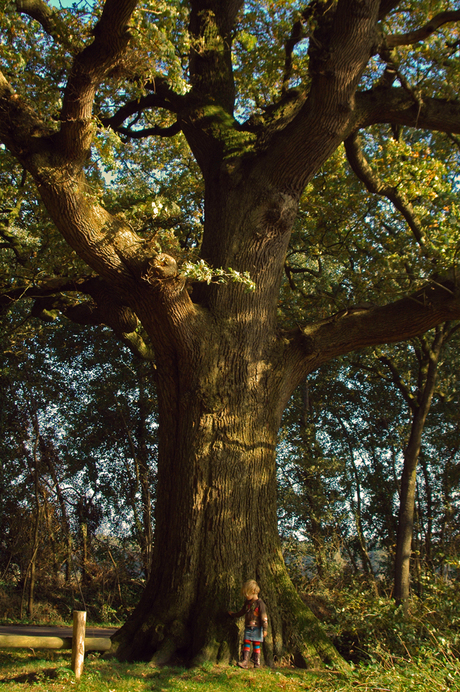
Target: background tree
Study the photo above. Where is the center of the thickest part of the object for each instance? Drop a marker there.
(418, 399)
(263, 95)
(379, 453)
(88, 487)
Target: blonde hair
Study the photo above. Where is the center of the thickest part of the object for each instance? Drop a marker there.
(250, 588)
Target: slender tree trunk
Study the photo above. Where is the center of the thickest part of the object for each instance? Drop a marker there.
(364, 555)
(31, 590)
(84, 551)
(65, 524)
(317, 536)
(350, 552)
(409, 475)
(449, 482)
(143, 472)
(29, 580)
(406, 519)
(141, 482)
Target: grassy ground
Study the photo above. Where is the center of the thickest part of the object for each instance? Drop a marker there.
(391, 651)
(50, 672)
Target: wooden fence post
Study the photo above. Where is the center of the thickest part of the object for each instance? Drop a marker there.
(78, 642)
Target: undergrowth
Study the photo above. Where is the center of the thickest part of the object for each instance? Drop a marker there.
(367, 628)
(55, 602)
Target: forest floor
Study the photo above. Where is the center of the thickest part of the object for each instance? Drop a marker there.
(50, 672)
(388, 650)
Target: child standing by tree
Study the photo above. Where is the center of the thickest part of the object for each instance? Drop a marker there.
(255, 622)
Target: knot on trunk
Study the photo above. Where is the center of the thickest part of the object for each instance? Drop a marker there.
(159, 268)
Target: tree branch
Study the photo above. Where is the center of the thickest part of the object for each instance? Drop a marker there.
(40, 289)
(355, 328)
(89, 68)
(118, 317)
(343, 45)
(364, 172)
(49, 19)
(297, 34)
(106, 242)
(162, 97)
(396, 106)
(398, 383)
(156, 131)
(51, 298)
(211, 25)
(393, 378)
(212, 97)
(424, 32)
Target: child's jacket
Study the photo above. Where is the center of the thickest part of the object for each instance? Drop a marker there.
(255, 614)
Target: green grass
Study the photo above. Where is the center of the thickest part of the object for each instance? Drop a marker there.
(50, 672)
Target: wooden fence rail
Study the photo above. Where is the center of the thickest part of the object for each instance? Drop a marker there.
(20, 641)
(77, 642)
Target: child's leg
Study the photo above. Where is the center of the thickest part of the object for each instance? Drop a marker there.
(256, 654)
(246, 653)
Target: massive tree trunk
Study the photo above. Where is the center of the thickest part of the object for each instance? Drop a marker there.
(216, 522)
(223, 381)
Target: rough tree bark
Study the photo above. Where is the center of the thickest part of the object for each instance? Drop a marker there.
(225, 367)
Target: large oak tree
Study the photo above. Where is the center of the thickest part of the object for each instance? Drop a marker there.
(225, 364)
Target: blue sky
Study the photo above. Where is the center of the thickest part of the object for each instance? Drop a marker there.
(61, 3)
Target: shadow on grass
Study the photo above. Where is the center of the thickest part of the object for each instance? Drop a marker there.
(35, 676)
(144, 676)
(227, 678)
(13, 662)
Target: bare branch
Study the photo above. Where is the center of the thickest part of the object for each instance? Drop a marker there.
(41, 289)
(424, 32)
(150, 131)
(163, 97)
(398, 382)
(297, 34)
